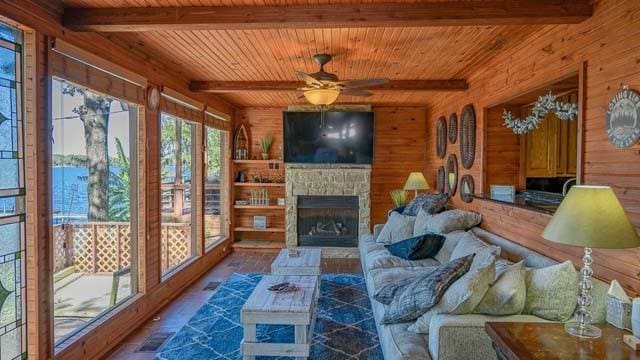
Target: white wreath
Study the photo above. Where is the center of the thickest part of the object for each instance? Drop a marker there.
(544, 105)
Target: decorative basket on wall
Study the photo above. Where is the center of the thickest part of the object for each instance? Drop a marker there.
(467, 136)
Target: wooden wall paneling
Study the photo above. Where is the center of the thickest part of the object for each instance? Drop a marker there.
(39, 266)
(400, 143)
(543, 57)
(502, 150)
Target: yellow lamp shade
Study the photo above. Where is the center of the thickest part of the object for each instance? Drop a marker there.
(592, 216)
(416, 181)
(322, 96)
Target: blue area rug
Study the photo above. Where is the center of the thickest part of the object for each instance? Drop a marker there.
(344, 328)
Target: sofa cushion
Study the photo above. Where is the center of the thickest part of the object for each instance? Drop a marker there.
(417, 247)
(425, 291)
(551, 291)
(462, 297)
(507, 295)
(398, 227)
(463, 337)
(429, 202)
(381, 258)
(396, 341)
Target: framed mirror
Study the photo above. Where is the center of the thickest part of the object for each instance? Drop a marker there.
(440, 180)
(467, 188)
(467, 136)
(451, 177)
(453, 128)
(441, 137)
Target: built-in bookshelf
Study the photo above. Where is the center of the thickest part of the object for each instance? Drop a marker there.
(260, 176)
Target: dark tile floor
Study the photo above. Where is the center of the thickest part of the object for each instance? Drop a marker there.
(179, 311)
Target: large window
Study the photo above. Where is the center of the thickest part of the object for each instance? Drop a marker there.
(177, 140)
(94, 204)
(215, 186)
(12, 191)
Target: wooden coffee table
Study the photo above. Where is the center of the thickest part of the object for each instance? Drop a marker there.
(296, 308)
(306, 263)
(518, 340)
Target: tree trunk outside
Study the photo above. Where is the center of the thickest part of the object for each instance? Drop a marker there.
(95, 116)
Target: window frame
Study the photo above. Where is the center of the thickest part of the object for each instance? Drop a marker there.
(225, 188)
(135, 127)
(196, 240)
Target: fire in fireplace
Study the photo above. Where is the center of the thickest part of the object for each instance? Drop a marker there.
(328, 221)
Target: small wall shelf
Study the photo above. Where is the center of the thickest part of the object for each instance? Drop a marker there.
(259, 184)
(270, 207)
(250, 229)
(258, 161)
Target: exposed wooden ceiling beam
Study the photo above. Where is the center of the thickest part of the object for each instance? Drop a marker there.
(393, 85)
(458, 13)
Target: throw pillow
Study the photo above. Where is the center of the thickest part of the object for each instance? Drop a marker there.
(386, 294)
(398, 227)
(417, 247)
(462, 297)
(507, 295)
(450, 244)
(425, 291)
(451, 220)
(470, 244)
(430, 203)
(399, 210)
(552, 291)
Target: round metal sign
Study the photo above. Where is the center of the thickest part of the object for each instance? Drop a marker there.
(623, 118)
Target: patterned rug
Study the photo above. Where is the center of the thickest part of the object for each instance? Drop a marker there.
(344, 328)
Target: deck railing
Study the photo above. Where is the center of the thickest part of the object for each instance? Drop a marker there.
(98, 247)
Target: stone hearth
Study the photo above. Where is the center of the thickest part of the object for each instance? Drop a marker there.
(327, 180)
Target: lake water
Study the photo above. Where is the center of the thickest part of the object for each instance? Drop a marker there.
(70, 192)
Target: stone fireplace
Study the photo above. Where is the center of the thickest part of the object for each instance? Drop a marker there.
(327, 206)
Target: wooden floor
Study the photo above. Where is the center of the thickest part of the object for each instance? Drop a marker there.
(178, 312)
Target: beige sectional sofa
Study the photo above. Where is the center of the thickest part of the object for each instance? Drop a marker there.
(456, 337)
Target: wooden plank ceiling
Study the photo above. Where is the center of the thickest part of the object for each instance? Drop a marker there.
(415, 53)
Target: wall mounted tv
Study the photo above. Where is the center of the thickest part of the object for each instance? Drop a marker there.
(332, 137)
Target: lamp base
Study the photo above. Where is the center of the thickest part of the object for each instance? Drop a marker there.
(587, 331)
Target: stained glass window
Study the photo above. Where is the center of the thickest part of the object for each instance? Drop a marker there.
(12, 216)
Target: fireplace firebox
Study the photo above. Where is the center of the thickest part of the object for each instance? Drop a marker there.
(328, 221)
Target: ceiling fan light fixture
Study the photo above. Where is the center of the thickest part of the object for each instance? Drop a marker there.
(322, 96)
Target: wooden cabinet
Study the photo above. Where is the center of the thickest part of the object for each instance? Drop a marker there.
(552, 149)
(542, 149)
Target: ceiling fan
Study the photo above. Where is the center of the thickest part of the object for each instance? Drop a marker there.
(323, 88)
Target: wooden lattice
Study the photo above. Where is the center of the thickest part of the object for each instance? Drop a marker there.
(106, 247)
(175, 245)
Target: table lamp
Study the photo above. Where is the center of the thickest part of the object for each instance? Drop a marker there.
(590, 217)
(416, 181)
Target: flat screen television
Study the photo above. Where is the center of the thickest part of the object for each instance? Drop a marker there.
(332, 137)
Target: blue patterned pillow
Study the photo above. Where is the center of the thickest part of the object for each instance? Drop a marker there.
(425, 292)
(430, 203)
(417, 247)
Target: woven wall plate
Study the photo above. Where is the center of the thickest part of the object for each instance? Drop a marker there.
(467, 188)
(467, 136)
(451, 174)
(453, 128)
(441, 137)
(440, 180)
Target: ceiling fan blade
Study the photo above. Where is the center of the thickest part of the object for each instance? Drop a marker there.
(356, 92)
(310, 80)
(355, 84)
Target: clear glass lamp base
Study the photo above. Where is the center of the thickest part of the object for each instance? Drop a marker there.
(586, 331)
